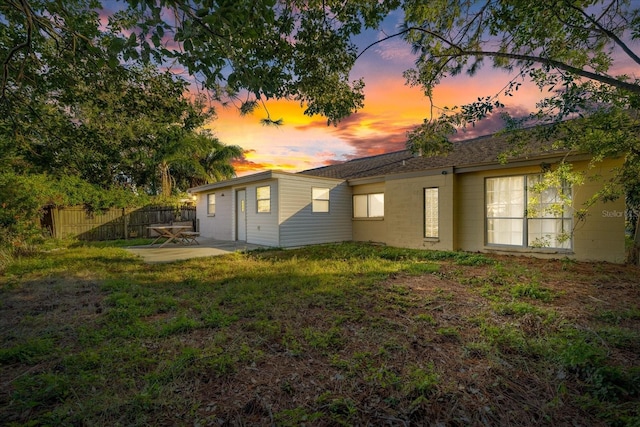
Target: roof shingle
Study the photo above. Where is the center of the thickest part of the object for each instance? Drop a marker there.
(484, 150)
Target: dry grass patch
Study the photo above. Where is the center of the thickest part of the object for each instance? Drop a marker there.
(331, 335)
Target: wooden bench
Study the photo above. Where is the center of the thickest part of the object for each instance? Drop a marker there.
(188, 237)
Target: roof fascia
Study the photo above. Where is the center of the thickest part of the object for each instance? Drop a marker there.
(426, 172)
(247, 179)
(552, 158)
(256, 177)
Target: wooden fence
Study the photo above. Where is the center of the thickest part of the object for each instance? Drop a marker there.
(113, 223)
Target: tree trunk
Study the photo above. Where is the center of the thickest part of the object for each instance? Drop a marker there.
(165, 179)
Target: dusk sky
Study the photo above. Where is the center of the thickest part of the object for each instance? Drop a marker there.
(391, 109)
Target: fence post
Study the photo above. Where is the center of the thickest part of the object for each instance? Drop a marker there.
(55, 219)
(125, 221)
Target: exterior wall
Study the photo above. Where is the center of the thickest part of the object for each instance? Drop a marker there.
(461, 213)
(370, 229)
(217, 226)
(299, 225)
(600, 237)
(404, 212)
(262, 228)
(469, 215)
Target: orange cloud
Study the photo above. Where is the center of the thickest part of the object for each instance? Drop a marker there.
(391, 110)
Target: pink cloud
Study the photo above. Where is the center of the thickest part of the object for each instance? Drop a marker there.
(490, 124)
(380, 136)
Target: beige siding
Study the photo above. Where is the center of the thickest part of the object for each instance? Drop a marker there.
(469, 214)
(600, 237)
(404, 212)
(370, 229)
(299, 225)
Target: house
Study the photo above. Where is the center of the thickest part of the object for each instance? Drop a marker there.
(466, 200)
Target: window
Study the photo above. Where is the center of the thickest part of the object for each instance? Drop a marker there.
(263, 198)
(211, 204)
(521, 211)
(430, 212)
(368, 205)
(319, 199)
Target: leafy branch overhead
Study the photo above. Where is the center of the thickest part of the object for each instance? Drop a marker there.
(269, 49)
(305, 50)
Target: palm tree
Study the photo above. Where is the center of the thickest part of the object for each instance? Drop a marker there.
(217, 163)
(199, 158)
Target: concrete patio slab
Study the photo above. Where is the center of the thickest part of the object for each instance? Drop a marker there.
(177, 252)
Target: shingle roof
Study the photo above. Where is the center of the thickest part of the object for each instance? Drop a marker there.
(484, 150)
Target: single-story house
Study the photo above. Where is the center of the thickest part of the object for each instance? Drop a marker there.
(465, 200)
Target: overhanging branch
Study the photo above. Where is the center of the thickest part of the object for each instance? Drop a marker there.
(24, 6)
(630, 87)
(620, 84)
(608, 33)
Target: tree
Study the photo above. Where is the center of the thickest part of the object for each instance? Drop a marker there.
(194, 159)
(241, 51)
(69, 106)
(213, 162)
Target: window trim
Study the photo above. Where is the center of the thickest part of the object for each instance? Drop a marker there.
(211, 196)
(264, 200)
(525, 219)
(437, 213)
(369, 197)
(314, 199)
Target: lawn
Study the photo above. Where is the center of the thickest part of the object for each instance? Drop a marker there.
(348, 334)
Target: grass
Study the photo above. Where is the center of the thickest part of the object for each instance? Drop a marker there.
(339, 334)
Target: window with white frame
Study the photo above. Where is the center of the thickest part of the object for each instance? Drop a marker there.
(319, 199)
(211, 204)
(522, 211)
(431, 212)
(368, 205)
(263, 199)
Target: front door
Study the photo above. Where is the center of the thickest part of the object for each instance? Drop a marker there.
(241, 215)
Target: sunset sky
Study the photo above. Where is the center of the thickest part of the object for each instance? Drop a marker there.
(391, 109)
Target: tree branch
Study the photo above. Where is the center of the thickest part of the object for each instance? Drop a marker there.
(608, 33)
(5, 65)
(631, 87)
(383, 40)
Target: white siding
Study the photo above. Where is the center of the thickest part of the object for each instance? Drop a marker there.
(223, 229)
(262, 228)
(218, 226)
(299, 225)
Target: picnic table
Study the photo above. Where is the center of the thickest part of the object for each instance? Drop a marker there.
(174, 233)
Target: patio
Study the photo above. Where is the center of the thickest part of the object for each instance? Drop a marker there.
(176, 252)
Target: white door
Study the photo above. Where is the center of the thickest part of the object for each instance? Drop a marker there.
(241, 215)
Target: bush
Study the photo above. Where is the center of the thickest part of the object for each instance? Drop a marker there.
(20, 210)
